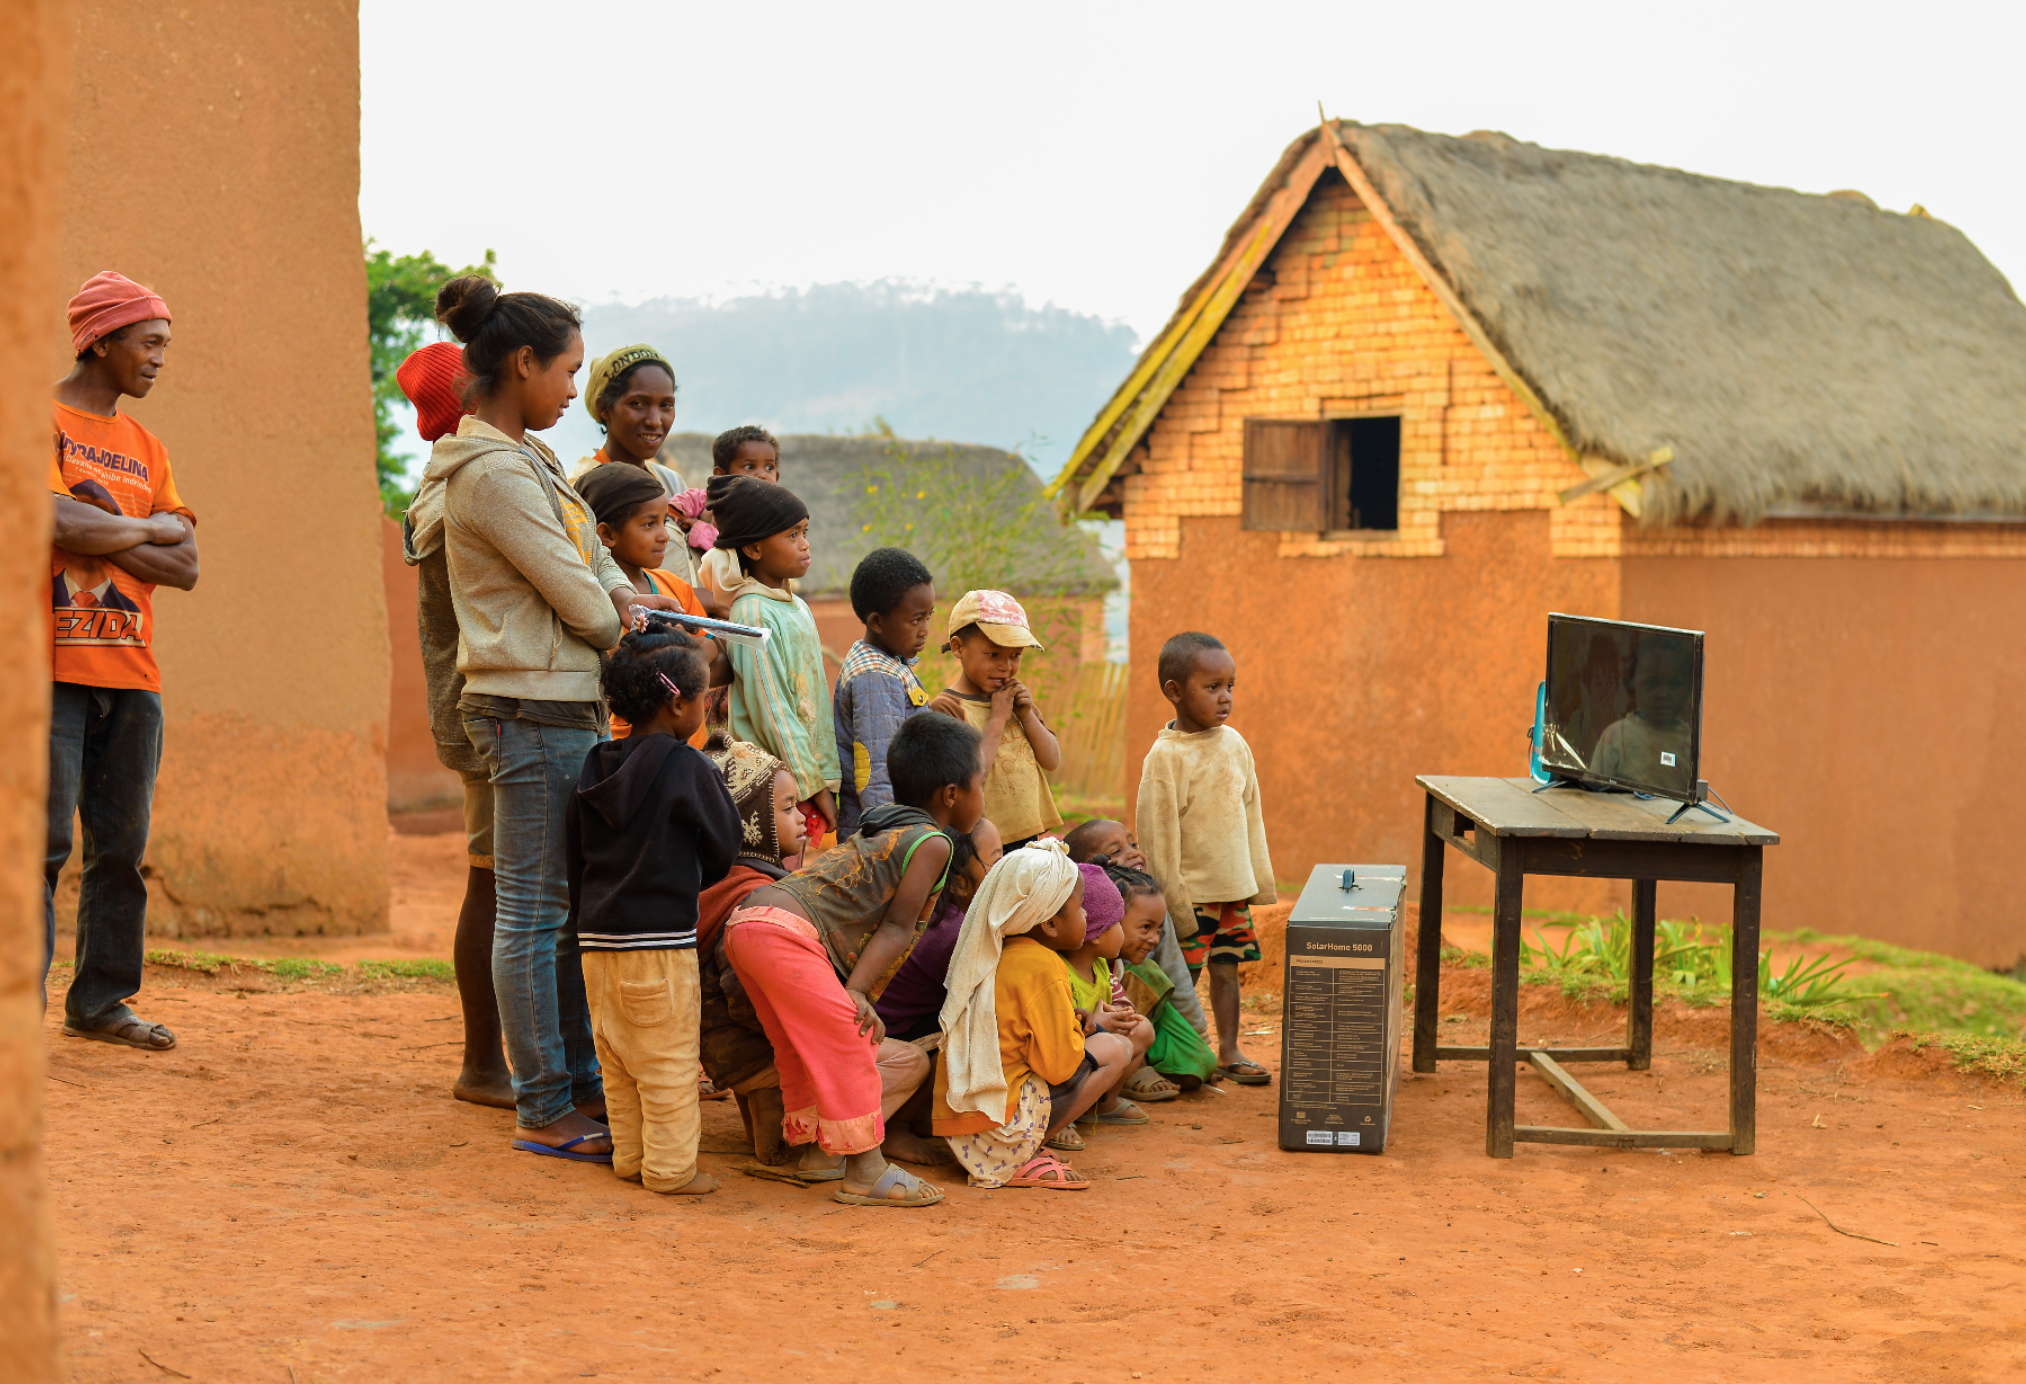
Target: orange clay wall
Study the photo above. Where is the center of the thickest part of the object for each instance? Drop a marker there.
(214, 155)
(1363, 663)
(1859, 675)
(36, 36)
(1867, 708)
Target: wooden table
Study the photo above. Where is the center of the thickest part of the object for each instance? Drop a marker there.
(1511, 830)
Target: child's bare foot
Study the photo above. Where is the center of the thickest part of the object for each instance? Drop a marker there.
(905, 1147)
(695, 1187)
(480, 1087)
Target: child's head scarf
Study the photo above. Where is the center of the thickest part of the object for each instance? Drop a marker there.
(1024, 888)
(749, 777)
(748, 511)
(1104, 908)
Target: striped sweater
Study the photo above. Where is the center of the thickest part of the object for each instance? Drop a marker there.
(649, 827)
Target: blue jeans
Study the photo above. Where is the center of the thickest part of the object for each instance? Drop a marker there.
(536, 969)
(105, 745)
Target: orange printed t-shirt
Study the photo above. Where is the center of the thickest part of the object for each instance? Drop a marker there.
(667, 584)
(102, 619)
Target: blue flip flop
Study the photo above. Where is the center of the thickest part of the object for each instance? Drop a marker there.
(563, 1150)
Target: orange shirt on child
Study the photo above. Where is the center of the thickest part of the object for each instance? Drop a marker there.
(666, 584)
(102, 619)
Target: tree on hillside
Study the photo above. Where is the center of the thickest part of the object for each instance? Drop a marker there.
(400, 308)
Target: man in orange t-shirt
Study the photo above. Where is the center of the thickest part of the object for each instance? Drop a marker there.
(121, 531)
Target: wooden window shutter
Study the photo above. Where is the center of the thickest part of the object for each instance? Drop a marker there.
(1285, 467)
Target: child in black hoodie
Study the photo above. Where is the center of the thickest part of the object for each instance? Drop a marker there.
(649, 826)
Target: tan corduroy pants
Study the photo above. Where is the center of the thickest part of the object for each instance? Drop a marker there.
(645, 1008)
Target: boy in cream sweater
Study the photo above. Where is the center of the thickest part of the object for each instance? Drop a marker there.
(1202, 833)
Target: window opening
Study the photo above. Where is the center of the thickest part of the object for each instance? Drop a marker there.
(1366, 456)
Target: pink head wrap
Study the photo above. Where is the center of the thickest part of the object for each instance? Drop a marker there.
(1104, 908)
(107, 302)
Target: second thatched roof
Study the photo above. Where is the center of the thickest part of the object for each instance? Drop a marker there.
(1798, 353)
(1044, 556)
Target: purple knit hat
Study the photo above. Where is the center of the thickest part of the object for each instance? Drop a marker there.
(1104, 908)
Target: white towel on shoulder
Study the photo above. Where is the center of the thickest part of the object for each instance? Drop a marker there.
(1024, 888)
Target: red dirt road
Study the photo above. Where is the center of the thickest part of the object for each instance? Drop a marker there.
(293, 1189)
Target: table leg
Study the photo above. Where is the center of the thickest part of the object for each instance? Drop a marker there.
(1428, 946)
(1745, 1003)
(1639, 1023)
(1505, 950)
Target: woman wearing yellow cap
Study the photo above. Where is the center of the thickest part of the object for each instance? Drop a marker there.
(631, 394)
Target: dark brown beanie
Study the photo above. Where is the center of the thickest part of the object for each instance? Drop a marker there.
(748, 511)
(617, 488)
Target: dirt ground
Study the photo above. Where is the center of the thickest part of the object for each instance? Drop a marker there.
(291, 1194)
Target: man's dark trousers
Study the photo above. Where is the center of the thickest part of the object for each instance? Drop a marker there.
(105, 744)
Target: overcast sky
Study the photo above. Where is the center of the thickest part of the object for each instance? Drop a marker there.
(1091, 155)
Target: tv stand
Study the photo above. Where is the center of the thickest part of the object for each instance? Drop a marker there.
(1687, 808)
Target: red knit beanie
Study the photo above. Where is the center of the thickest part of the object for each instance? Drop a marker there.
(433, 380)
(107, 302)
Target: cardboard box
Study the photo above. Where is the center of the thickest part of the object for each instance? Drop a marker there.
(1340, 1029)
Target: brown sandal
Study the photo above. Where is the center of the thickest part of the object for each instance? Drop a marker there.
(130, 1031)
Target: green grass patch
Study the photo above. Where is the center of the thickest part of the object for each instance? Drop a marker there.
(1921, 992)
(2004, 1058)
(422, 968)
(1979, 1015)
(304, 970)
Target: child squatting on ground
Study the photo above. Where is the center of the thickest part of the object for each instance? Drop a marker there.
(988, 633)
(649, 826)
(1172, 1066)
(1101, 1005)
(780, 697)
(1202, 831)
(892, 593)
(1016, 1066)
(809, 950)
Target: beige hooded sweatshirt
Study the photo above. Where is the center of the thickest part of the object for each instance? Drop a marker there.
(529, 580)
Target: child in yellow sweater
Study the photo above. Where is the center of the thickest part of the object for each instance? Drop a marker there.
(988, 633)
(1201, 830)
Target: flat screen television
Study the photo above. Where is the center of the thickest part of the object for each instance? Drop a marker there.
(1624, 706)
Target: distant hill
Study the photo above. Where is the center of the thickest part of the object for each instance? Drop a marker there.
(962, 365)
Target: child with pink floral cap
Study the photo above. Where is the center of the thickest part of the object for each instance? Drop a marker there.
(988, 633)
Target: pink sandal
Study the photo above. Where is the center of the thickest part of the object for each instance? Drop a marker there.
(1049, 1172)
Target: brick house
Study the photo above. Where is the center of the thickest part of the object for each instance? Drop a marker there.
(1432, 388)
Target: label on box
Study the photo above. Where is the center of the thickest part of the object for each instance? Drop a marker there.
(1320, 1136)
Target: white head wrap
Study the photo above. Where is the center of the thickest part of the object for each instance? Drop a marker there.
(1026, 887)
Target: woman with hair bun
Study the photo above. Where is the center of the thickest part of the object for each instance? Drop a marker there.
(537, 599)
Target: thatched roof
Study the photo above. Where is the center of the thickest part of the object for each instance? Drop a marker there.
(1796, 352)
(823, 472)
